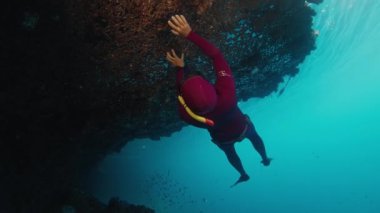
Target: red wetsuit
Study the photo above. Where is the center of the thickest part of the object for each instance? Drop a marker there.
(230, 122)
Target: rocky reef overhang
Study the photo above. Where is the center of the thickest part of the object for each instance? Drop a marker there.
(80, 78)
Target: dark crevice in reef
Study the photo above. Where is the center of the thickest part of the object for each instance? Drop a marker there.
(79, 79)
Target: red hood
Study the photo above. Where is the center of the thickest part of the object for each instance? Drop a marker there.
(199, 94)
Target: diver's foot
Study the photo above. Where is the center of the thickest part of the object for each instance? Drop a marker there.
(266, 161)
(243, 178)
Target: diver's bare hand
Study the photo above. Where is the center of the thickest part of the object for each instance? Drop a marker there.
(174, 59)
(179, 25)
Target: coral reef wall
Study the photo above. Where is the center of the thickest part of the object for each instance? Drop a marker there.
(80, 78)
(127, 40)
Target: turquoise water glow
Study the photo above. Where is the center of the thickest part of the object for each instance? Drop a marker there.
(323, 133)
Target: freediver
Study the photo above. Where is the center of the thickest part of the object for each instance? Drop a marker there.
(213, 106)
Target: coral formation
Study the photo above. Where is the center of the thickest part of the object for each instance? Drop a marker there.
(81, 78)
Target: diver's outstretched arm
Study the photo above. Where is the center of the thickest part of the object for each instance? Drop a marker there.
(180, 27)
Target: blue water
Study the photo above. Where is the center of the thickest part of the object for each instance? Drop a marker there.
(323, 133)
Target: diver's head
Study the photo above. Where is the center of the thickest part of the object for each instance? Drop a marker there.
(199, 94)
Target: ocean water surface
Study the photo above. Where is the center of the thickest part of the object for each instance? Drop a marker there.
(323, 133)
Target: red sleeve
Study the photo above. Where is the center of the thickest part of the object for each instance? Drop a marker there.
(225, 84)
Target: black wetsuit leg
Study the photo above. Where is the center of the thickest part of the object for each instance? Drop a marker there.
(256, 141)
(232, 156)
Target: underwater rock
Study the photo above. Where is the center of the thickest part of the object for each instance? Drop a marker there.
(127, 88)
(116, 205)
(76, 201)
(79, 79)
